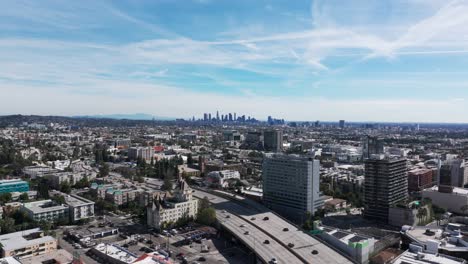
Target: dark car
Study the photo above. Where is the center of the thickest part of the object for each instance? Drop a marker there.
(285, 229)
(291, 245)
(266, 241)
(201, 259)
(266, 218)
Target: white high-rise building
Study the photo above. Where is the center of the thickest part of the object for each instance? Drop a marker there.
(145, 153)
(291, 185)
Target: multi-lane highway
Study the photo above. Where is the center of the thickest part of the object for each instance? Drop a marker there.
(279, 233)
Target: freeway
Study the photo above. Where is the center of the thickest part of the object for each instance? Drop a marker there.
(255, 239)
(274, 230)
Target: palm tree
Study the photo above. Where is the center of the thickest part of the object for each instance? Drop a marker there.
(422, 213)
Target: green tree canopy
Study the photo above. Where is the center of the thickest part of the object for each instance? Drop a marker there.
(207, 216)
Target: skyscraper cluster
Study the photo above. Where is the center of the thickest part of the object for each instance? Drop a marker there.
(229, 117)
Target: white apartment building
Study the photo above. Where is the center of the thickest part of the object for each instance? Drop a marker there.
(145, 153)
(27, 243)
(72, 178)
(166, 210)
(46, 210)
(221, 177)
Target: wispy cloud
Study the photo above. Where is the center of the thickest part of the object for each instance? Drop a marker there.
(91, 49)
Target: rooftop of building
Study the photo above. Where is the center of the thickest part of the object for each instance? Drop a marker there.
(9, 260)
(44, 206)
(426, 258)
(345, 236)
(24, 238)
(11, 182)
(59, 256)
(75, 200)
(455, 190)
(152, 258)
(116, 252)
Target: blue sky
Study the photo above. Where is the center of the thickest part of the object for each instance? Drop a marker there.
(373, 60)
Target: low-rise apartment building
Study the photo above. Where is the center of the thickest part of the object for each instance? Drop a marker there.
(13, 185)
(27, 243)
(46, 210)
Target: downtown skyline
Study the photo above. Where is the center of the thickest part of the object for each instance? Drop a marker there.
(395, 61)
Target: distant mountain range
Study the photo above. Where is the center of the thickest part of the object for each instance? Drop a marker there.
(136, 116)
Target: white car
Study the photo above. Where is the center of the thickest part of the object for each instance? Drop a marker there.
(273, 261)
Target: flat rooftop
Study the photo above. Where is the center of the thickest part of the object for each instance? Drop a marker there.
(60, 255)
(456, 190)
(116, 252)
(74, 200)
(410, 257)
(44, 206)
(12, 181)
(19, 239)
(421, 234)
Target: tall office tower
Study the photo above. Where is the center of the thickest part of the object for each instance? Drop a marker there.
(273, 140)
(371, 146)
(217, 115)
(291, 185)
(342, 123)
(235, 118)
(453, 172)
(385, 185)
(209, 117)
(230, 117)
(205, 117)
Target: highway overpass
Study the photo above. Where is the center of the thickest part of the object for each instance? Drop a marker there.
(239, 217)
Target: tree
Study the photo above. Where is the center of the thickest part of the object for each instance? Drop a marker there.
(24, 197)
(7, 225)
(65, 187)
(103, 170)
(204, 204)
(167, 185)
(43, 188)
(83, 183)
(207, 216)
(5, 198)
(46, 226)
(59, 199)
(190, 159)
(308, 222)
(422, 213)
